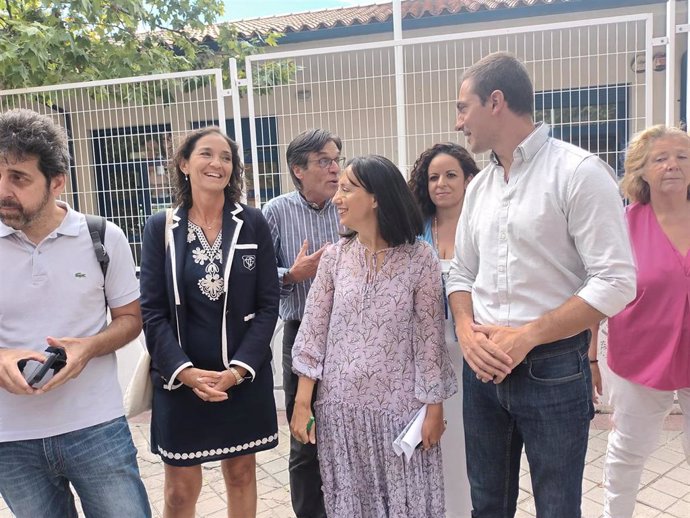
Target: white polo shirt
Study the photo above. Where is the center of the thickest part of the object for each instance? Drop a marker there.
(56, 289)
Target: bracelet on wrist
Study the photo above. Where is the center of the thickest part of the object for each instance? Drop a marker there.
(238, 379)
(594, 361)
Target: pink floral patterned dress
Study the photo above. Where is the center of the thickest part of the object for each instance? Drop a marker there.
(375, 340)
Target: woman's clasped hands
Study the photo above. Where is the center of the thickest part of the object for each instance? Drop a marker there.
(208, 385)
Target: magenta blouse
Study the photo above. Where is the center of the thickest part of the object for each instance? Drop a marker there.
(649, 341)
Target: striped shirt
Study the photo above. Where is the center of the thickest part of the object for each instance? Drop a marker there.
(292, 220)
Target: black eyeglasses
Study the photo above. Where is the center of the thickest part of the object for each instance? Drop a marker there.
(325, 163)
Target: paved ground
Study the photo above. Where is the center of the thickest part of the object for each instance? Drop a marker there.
(665, 492)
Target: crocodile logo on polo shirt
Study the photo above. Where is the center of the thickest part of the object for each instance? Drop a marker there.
(80, 275)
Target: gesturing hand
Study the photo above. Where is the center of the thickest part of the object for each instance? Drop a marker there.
(305, 265)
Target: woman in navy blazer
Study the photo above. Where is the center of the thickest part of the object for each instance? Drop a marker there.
(209, 295)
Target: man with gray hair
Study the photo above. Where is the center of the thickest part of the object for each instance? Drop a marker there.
(303, 223)
(542, 254)
(68, 427)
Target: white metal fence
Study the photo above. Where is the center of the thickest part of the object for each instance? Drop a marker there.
(398, 104)
(122, 134)
(394, 98)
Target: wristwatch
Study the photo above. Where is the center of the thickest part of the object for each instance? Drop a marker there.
(238, 379)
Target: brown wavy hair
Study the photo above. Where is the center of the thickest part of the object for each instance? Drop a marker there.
(183, 188)
(25, 134)
(419, 178)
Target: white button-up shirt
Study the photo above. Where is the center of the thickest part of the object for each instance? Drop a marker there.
(555, 229)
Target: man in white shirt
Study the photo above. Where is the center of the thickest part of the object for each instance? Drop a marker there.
(542, 254)
(70, 430)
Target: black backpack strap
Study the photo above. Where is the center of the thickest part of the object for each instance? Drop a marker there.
(96, 226)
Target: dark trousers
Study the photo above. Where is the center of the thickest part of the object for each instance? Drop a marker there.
(305, 479)
(545, 405)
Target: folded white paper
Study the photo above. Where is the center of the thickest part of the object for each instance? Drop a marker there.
(411, 435)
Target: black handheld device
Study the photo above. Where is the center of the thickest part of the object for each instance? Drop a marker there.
(56, 360)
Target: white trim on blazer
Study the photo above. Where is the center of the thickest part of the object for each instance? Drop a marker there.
(226, 278)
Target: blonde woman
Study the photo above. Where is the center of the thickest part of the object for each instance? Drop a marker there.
(649, 341)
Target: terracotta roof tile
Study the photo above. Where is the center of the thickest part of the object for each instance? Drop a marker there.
(362, 15)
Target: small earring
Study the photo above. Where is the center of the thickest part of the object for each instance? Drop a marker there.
(186, 178)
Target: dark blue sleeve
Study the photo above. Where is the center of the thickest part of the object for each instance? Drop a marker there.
(159, 326)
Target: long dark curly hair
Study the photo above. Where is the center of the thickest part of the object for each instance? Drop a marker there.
(183, 188)
(419, 178)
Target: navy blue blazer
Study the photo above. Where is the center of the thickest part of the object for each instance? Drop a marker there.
(250, 301)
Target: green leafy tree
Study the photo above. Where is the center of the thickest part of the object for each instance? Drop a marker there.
(45, 43)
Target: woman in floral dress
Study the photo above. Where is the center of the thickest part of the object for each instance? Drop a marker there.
(373, 336)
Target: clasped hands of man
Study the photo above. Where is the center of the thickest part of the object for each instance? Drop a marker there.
(492, 352)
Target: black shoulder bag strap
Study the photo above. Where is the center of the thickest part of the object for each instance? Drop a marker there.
(96, 226)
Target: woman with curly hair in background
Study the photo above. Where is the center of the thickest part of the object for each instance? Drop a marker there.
(438, 182)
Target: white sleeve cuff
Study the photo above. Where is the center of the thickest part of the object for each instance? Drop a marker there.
(285, 289)
(171, 385)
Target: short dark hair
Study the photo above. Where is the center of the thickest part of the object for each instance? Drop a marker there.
(183, 188)
(25, 134)
(502, 71)
(397, 214)
(310, 141)
(419, 178)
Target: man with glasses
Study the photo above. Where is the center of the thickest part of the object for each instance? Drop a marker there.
(303, 223)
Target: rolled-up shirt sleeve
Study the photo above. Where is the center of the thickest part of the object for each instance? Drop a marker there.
(596, 223)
